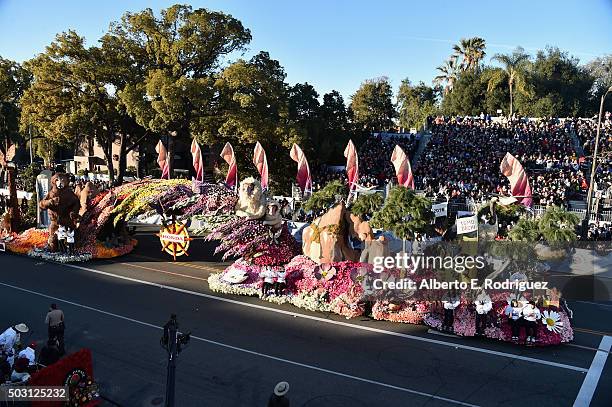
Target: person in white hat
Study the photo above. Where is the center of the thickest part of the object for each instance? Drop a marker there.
(279, 397)
(9, 339)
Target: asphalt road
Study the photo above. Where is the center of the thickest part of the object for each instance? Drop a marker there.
(241, 346)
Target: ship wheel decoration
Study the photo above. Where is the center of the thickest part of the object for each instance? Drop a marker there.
(174, 239)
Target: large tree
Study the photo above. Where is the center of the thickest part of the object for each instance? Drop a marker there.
(513, 72)
(305, 114)
(467, 97)
(182, 52)
(415, 103)
(601, 71)
(73, 99)
(560, 86)
(372, 105)
(256, 108)
(14, 80)
(337, 130)
(471, 51)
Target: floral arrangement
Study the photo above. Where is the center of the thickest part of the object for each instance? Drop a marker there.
(102, 251)
(317, 300)
(348, 305)
(341, 283)
(210, 222)
(216, 284)
(59, 257)
(240, 237)
(83, 392)
(213, 199)
(277, 250)
(254, 241)
(305, 287)
(26, 241)
(553, 328)
(144, 195)
(433, 320)
(413, 312)
(464, 323)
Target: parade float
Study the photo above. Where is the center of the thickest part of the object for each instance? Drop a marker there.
(333, 268)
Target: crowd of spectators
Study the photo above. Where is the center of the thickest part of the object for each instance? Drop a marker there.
(461, 161)
(375, 168)
(600, 231)
(586, 130)
(463, 156)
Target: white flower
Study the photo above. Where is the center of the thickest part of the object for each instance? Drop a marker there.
(235, 276)
(552, 320)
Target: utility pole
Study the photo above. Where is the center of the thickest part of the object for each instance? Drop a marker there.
(31, 153)
(587, 217)
(172, 342)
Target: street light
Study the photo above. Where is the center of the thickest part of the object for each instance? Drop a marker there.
(585, 222)
(172, 342)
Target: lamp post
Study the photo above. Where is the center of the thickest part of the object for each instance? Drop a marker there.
(172, 342)
(585, 222)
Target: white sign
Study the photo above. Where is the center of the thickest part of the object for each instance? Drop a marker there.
(440, 209)
(172, 238)
(413, 130)
(467, 225)
(43, 181)
(499, 111)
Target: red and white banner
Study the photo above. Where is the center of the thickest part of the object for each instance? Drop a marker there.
(519, 182)
(228, 155)
(261, 163)
(162, 160)
(403, 171)
(198, 163)
(352, 165)
(304, 178)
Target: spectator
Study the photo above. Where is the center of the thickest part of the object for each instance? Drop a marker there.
(9, 339)
(49, 354)
(29, 353)
(55, 323)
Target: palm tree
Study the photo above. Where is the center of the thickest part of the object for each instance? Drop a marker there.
(448, 74)
(513, 71)
(471, 51)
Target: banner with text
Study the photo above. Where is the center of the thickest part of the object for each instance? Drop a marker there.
(467, 225)
(440, 209)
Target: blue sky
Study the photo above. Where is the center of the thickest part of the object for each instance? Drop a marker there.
(336, 44)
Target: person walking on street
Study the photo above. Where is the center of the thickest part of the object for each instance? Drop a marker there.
(55, 322)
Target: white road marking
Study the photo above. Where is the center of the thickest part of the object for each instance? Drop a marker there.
(587, 390)
(236, 348)
(339, 323)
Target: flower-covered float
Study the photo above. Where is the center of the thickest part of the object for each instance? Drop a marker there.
(325, 274)
(93, 225)
(331, 276)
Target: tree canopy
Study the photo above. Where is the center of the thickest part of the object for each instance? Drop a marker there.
(14, 80)
(372, 105)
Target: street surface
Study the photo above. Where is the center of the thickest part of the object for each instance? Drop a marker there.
(241, 347)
